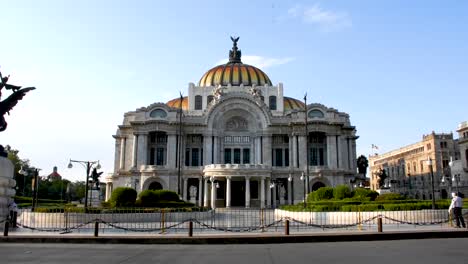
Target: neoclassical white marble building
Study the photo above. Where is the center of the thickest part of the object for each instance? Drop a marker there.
(242, 142)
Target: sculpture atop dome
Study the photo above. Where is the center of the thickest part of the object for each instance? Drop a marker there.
(235, 54)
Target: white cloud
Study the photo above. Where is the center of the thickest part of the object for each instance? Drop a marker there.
(325, 20)
(261, 62)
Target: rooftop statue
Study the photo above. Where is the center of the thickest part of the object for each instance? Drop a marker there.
(7, 105)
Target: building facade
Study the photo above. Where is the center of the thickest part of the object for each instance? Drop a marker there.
(238, 142)
(409, 172)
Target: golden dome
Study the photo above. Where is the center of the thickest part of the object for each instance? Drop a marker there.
(175, 103)
(234, 72)
(292, 104)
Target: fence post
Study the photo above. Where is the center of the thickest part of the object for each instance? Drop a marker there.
(190, 231)
(162, 222)
(379, 224)
(7, 226)
(96, 228)
(286, 228)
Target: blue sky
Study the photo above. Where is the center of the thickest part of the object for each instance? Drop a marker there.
(399, 68)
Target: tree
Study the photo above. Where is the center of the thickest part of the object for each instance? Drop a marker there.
(362, 164)
(382, 174)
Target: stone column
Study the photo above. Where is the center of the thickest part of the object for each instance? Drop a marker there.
(200, 186)
(142, 150)
(213, 195)
(228, 191)
(343, 153)
(268, 198)
(184, 189)
(135, 150)
(262, 192)
(294, 151)
(247, 192)
(171, 151)
(267, 150)
(207, 149)
(290, 197)
(290, 149)
(331, 151)
(216, 151)
(258, 150)
(274, 194)
(302, 150)
(6, 186)
(122, 153)
(207, 191)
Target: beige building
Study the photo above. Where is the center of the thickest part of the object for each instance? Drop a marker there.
(408, 169)
(241, 142)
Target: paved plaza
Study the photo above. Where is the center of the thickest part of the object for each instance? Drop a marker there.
(428, 251)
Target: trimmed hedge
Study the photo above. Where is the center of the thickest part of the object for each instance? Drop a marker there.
(123, 197)
(160, 198)
(390, 197)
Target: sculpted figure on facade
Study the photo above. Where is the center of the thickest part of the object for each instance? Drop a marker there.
(193, 192)
(218, 93)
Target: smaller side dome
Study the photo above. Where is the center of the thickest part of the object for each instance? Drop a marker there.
(175, 103)
(292, 104)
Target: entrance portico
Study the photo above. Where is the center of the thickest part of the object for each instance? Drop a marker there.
(236, 185)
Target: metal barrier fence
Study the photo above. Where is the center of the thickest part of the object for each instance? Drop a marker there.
(225, 220)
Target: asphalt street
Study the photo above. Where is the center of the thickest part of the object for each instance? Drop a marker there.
(428, 251)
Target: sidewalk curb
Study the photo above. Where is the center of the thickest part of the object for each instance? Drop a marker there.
(264, 239)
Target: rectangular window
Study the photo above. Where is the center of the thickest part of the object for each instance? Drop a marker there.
(321, 157)
(313, 156)
(160, 156)
(237, 157)
(278, 158)
(195, 156)
(246, 156)
(286, 157)
(227, 156)
(198, 102)
(151, 156)
(187, 157)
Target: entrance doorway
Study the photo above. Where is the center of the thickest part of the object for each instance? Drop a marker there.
(237, 193)
(317, 185)
(155, 186)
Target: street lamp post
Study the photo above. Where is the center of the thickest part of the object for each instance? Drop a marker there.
(88, 165)
(307, 143)
(429, 162)
(179, 146)
(303, 180)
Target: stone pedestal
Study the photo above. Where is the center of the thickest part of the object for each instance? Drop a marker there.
(93, 198)
(6, 185)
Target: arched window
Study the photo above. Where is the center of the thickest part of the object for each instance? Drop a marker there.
(198, 102)
(158, 113)
(272, 102)
(316, 114)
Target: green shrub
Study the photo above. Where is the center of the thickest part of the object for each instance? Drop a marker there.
(363, 194)
(341, 192)
(123, 197)
(323, 193)
(166, 195)
(390, 197)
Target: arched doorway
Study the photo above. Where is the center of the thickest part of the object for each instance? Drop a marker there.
(155, 186)
(444, 194)
(317, 185)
